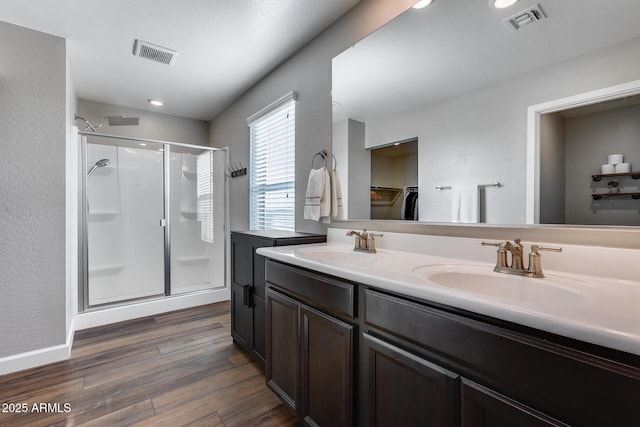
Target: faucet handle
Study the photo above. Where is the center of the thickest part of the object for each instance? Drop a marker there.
(535, 265)
(536, 248)
(501, 258)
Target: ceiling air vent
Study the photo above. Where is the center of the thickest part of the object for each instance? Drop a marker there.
(525, 17)
(153, 52)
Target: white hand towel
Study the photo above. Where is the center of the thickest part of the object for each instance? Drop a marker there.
(315, 192)
(325, 201)
(337, 210)
(465, 203)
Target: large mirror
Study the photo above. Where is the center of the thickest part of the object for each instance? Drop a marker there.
(459, 77)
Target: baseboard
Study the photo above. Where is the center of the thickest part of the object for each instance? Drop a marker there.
(92, 319)
(149, 308)
(44, 356)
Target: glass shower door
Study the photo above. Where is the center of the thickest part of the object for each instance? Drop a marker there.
(125, 221)
(197, 221)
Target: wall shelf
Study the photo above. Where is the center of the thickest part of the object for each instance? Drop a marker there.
(598, 177)
(634, 196)
(191, 176)
(102, 216)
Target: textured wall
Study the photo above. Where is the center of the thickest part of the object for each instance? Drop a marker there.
(32, 190)
(308, 73)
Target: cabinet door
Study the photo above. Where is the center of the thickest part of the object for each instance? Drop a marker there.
(402, 389)
(258, 288)
(327, 369)
(482, 407)
(241, 312)
(241, 315)
(258, 329)
(283, 349)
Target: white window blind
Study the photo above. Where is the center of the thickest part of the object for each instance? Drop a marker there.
(272, 192)
(204, 195)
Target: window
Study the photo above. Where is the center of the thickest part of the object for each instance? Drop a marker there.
(204, 195)
(272, 192)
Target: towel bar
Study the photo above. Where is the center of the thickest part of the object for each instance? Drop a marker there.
(495, 184)
(324, 154)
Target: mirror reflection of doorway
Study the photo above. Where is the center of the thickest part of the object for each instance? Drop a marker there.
(394, 181)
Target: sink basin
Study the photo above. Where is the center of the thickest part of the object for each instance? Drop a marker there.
(339, 256)
(483, 281)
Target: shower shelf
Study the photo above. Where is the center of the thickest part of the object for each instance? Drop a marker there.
(106, 270)
(193, 260)
(102, 216)
(189, 214)
(192, 176)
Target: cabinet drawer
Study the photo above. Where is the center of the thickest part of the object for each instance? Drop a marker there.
(333, 296)
(565, 383)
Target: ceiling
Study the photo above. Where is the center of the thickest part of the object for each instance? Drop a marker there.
(224, 46)
(455, 46)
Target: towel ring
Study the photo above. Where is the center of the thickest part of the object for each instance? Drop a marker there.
(323, 154)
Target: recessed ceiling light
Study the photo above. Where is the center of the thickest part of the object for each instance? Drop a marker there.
(156, 102)
(422, 4)
(502, 4)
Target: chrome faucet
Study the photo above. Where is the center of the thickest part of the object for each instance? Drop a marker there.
(517, 266)
(365, 242)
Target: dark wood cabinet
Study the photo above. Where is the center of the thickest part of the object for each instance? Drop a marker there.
(402, 389)
(327, 369)
(482, 407)
(248, 306)
(426, 364)
(310, 349)
(510, 375)
(283, 347)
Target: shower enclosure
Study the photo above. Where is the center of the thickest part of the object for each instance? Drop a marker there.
(153, 219)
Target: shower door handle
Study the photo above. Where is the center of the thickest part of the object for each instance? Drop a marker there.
(163, 222)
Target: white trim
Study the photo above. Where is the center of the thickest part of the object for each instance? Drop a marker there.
(43, 356)
(533, 135)
(285, 98)
(106, 316)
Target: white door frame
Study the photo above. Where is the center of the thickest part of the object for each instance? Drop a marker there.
(533, 134)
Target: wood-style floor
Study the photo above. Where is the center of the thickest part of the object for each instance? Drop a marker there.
(173, 369)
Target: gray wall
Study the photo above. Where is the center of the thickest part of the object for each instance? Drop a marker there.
(153, 125)
(589, 140)
(32, 189)
(552, 169)
(309, 74)
(480, 137)
(358, 176)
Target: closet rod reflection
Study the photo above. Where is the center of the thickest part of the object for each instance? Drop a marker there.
(495, 184)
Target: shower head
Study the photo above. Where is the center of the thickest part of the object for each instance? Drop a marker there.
(99, 164)
(123, 121)
(89, 125)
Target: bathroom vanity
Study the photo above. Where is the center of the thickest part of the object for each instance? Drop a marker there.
(248, 284)
(357, 339)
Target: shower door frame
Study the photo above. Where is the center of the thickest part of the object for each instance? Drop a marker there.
(83, 247)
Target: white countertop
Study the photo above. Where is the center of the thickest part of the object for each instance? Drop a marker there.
(593, 309)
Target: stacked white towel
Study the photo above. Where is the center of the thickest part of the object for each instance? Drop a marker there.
(318, 198)
(465, 203)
